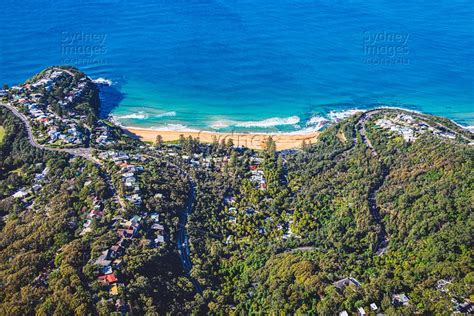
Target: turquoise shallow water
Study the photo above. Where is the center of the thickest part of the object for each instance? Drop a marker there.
(250, 65)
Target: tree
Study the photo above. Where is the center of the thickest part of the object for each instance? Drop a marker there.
(270, 145)
(215, 142)
(304, 145)
(159, 141)
(230, 143)
(91, 119)
(181, 140)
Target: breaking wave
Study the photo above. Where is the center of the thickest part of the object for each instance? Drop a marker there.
(102, 81)
(316, 123)
(274, 121)
(137, 116)
(166, 114)
(337, 116)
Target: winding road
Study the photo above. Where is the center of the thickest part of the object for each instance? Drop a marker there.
(182, 240)
(85, 153)
(382, 240)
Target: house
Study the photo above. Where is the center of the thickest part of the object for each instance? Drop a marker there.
(95, 213)
(108, 278)
(117, 263)
(157, 227)
(121, 306)
(343, 313)
(126, 233)
(159, 239)
(361, 311)
(373, 306)
(128, 175)
(249, 211)
(135, 219)
(341, 284)
(441, 285)
(154, 217)
(229, 200)
(106, 270)
(20, 194)
(87, 223)
(135, 199)
(103, 259)
(400, 299)
(129, 224)
(116, 251)
(114, 290)
(130, 181)
(466, 307)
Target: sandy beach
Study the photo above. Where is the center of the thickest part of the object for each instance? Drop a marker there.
(249, 140)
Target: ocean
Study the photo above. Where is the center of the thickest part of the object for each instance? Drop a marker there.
(278, 66)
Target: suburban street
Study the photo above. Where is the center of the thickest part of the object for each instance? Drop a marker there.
(85, 153)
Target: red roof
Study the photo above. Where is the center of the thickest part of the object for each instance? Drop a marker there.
(96, 213)
(109, 278)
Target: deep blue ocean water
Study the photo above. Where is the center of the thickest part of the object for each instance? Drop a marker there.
(250, 65)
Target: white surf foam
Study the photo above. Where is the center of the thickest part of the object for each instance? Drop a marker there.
(220, 124)
(137, 116)
(274, 121)
(168, 127)
(102, 81)
(166, 114)
(316, 123)
(337, 116)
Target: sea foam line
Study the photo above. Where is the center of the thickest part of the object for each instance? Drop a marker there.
(166, 128)
(270, 122)
(102, 81)
(138, 116)
(141, 115)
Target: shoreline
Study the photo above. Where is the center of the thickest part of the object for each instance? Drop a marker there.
(250, 140)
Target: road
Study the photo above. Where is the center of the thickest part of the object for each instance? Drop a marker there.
(182, 240)
(85, 153)
(381, 244)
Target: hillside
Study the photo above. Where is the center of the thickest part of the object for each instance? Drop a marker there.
(363, 203)
(377, 215)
